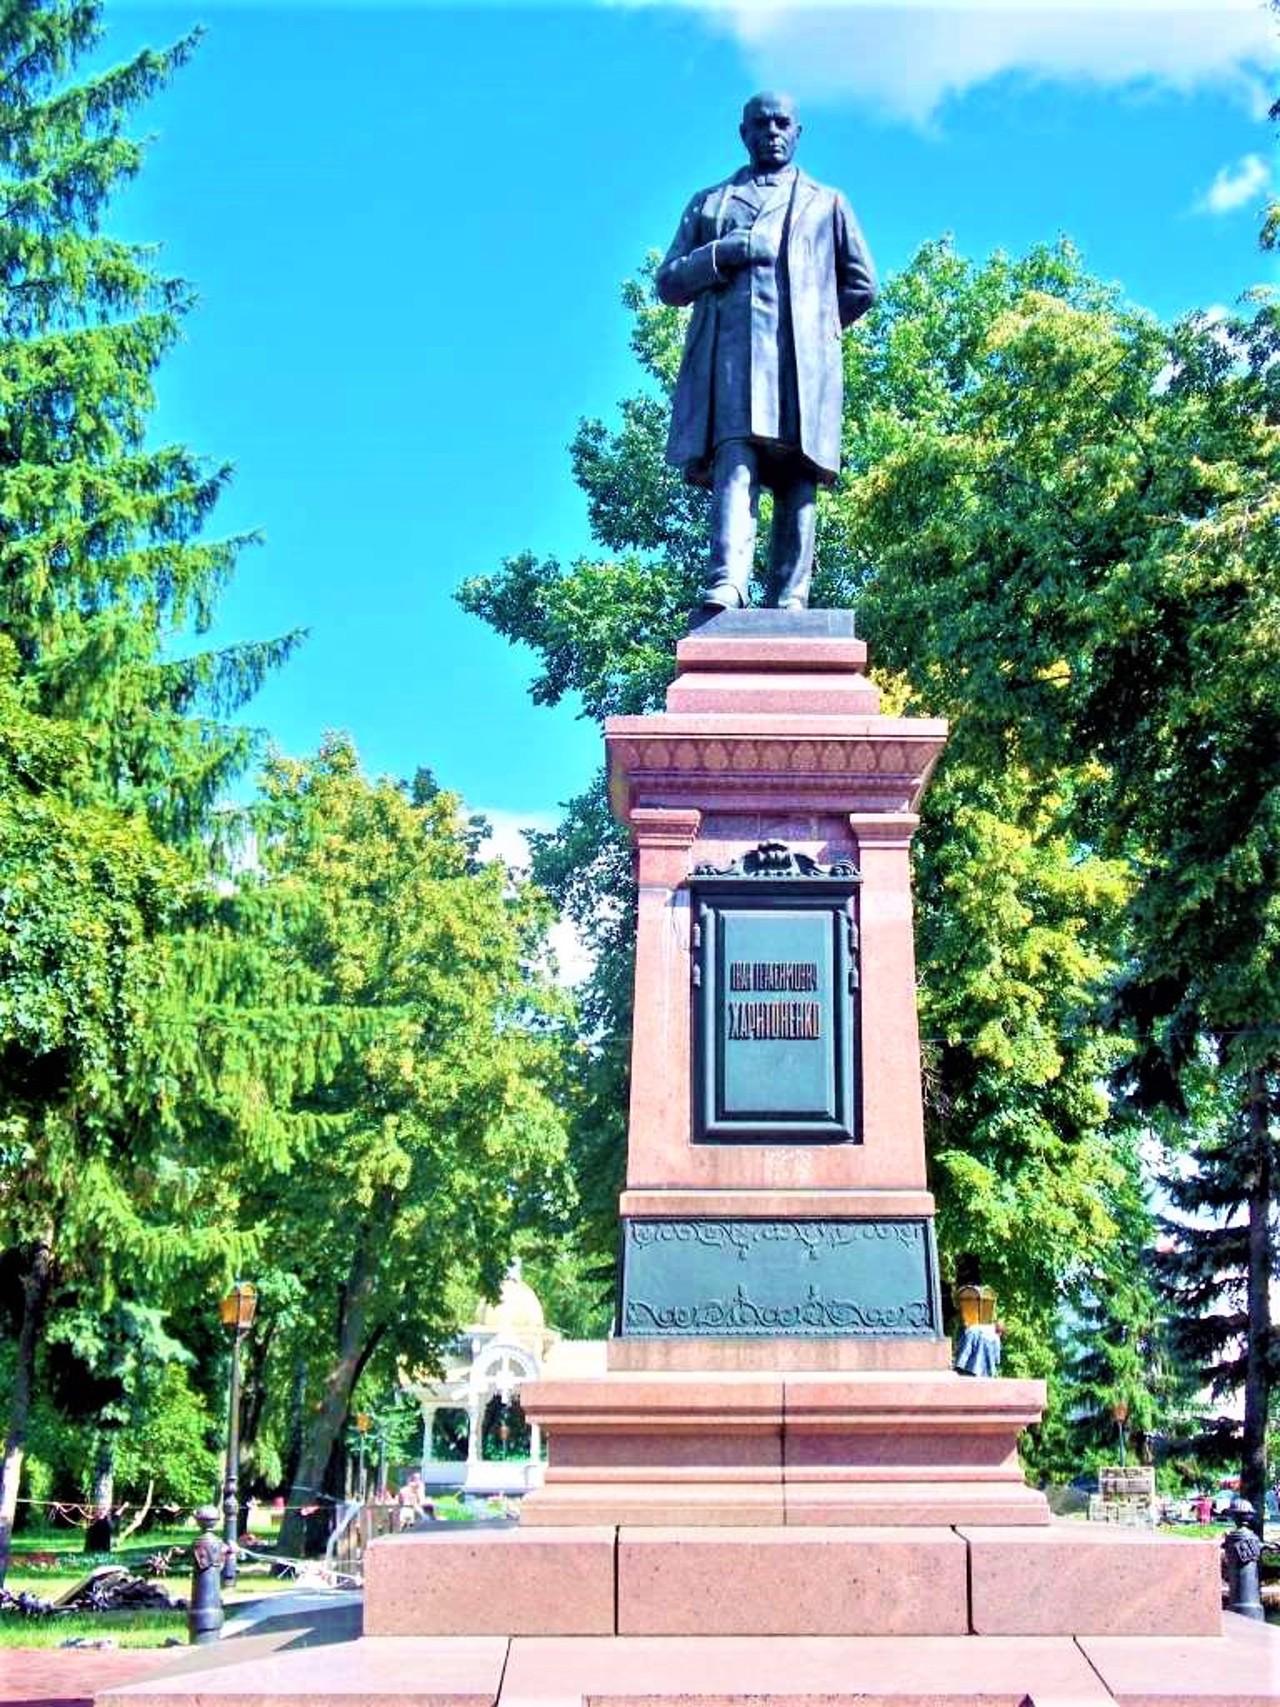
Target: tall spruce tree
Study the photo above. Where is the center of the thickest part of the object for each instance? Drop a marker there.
(116, 734)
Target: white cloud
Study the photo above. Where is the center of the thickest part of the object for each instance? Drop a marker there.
(1236, 186)
(507, 841)
(909, 56)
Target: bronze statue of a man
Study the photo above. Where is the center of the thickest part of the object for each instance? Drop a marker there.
(776, 268)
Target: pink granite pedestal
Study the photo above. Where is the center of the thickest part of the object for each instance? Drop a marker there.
(772, 733)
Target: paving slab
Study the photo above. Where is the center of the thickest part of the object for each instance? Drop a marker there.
(1240, 1668)
(406, 1671)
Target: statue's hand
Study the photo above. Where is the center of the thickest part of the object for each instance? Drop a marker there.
(733, 252)
(764, 247)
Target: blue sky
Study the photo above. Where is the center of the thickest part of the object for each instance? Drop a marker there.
(409, 226)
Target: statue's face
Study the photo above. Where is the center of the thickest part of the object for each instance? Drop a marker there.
(770, 131)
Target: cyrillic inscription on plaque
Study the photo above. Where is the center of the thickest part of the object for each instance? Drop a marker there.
(775, 947)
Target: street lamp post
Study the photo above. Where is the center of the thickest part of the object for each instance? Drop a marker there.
(236, 1312)
(1120, 1412)
(362, 1431)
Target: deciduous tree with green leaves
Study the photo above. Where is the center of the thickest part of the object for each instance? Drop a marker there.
(436, 1131)
(1083, 541)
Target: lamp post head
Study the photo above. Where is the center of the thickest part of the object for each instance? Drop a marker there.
(976, 1304)
(236, 1311)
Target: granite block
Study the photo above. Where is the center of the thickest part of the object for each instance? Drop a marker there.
(685, 1581)
(491, 1582)
(1240, 1668)
(1092, 1580)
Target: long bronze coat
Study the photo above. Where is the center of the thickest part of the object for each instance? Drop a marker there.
(825, 281)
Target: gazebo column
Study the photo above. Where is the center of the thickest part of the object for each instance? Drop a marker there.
(475, 1419)
(428, 1434)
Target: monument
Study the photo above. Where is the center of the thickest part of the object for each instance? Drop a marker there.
(777, 1405)
(775, 1443)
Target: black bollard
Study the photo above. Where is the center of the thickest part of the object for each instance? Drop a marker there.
(205, 1614)
(1242, 1549)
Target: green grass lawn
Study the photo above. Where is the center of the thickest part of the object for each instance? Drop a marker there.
(48, 1563)
(124, 1629)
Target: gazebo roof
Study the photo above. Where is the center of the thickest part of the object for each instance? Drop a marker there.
(517, 1309)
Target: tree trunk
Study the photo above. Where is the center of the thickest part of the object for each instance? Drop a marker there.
(97, 1537)
(140, 1516)
(36, 1286)
(355, 1344)
(297, 1400)
(258, 1349)
(1257, 1385)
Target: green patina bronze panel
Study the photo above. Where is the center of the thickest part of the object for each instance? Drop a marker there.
(816, 1279)
(775, 1017)
(776, 1039)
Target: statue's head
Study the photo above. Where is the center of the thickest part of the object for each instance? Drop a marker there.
(770, 130)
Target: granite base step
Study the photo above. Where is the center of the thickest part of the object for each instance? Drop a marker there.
(1061, 1579)
(714, 1447)
(1238, 1668)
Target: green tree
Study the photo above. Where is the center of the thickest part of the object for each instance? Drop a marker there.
(116, 738)
(1084, 538)
(435, 1132)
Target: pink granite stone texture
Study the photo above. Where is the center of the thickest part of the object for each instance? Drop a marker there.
(824, 654)
(685, 1581)
(1240, 1668)
(661, 1504)
(924, 1502)
(826, 1356)
(458, 1671)
(786, 691)
(491, 1582)
(764, 1204)
(661, 1404)
(1092, 1580)
(700, 1446)
(704, 1457)
(801, 1671)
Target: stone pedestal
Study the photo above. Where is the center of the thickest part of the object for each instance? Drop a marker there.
(779, 1355)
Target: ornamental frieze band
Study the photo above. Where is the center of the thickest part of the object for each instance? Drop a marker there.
(814, 1314)
(812, 1237)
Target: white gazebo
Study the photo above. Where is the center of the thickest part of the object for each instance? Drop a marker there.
(506, 1345)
